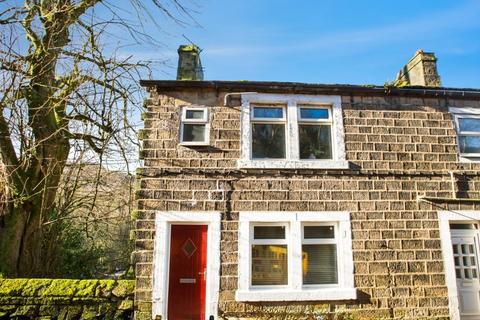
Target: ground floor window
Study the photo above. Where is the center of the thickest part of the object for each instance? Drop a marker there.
(295, 256)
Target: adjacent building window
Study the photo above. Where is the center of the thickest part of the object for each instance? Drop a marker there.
(295, 256)
(467, 123)
(194, 128)
(469, 135)
(292, 131)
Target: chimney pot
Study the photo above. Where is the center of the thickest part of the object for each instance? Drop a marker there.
(189, 64)
(421, 70)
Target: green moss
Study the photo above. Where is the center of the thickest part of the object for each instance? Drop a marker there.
(66, 299)
(61, 287)
(87, 300)
(12, 287)
(121, 315)
(132, 235)
(25, 311)
(89, 313)
(104, 288)
(86, 288)
(56, 300)
(9, 300)
(7, 308)
(106, 310)
(134, 215)
(189, 48)
(48, 310)
(124, 288)
(126, 304)
(73, 312)
(35, 287)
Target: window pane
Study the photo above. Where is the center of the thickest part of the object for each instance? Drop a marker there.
(194, 114)
(467, 273)
(463, 226)
(319, 263)
(315, 142)
(455, 249)
(458, 272)
(269, 232)
(268, 112)
(269, 265)
(318, 232)
(309, 113)
(268, 141)
(469, 144)
(193, 132)
(469, 124)
(457, 261)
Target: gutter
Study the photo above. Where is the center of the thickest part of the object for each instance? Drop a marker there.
(309, 88)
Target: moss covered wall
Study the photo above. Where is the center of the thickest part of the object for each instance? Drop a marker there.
(66, 299)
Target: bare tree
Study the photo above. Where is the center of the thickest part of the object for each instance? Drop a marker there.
(64, 96)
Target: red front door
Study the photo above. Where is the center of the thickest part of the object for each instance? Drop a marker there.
(187, 280)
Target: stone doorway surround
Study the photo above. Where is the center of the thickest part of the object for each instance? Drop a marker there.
(444, 220)
(163, 222)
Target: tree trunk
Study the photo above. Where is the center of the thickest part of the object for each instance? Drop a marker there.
(11, 233)
(21, 241)
(22, 250)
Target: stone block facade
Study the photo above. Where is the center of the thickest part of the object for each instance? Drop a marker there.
(400, 145)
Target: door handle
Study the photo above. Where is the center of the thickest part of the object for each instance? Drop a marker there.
(204, 273)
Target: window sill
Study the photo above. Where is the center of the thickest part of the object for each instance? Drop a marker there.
(293, 295)
(469, 159)
(194, 144)
(292, 164)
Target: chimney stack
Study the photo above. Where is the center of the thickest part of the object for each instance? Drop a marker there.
(421, 70)
(189, 64)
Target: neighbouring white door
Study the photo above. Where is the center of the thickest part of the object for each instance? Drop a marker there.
(465, 242)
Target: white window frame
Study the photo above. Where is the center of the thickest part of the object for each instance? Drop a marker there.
(465, 113)
(161, 256)
(259, 120)
(204, 121)
(282, 120)
(292, 160)
(254, 241)
(295, 290)
(314, 241)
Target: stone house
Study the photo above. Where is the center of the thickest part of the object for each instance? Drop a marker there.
(279, 200)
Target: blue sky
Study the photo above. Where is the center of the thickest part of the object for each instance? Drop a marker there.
(325, 41)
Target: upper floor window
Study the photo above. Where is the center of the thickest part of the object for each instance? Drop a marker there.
(194, 127)
(268, 132)
(292, 131)
(467, 123)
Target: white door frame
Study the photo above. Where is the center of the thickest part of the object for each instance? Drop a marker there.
(444, 220)
(163, 223)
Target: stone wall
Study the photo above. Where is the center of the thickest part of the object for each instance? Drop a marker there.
(66, 299)
(398, 148)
